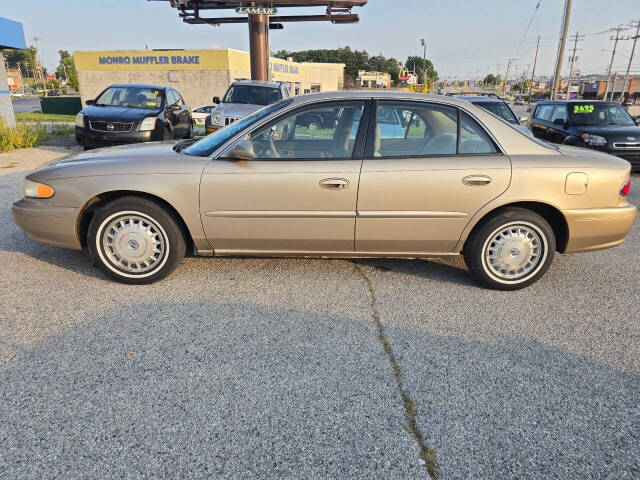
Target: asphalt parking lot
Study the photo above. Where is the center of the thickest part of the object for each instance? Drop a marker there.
(313, 369)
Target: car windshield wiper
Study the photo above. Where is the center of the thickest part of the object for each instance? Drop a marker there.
(178, 147)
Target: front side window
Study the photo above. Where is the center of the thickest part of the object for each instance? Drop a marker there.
(404, 130)
(209, 144)
(559, 113)
(252, 94)
(544, 112)
(131, 97)
(327, 131)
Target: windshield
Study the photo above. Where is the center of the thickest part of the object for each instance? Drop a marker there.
(131, 97)
(500, 110)
(252, 94)
(597, 114)
(209, 144)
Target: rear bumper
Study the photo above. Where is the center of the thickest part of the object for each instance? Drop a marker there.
(595, 229)
(46, 223)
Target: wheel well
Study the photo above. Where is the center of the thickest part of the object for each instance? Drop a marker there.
(551, 214)
(89, 209)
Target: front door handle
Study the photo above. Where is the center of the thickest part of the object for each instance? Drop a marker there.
(334, 183)
(476, 180)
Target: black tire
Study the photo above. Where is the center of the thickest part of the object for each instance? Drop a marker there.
(517, 264)
(166, 134)
(190, 133)
(157, 241)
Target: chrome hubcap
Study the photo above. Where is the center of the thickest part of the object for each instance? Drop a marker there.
(513, 251)
(133, 243)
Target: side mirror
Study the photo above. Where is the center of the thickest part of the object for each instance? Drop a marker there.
(523, 119)
(217, 100)
(560, 121)
(90, 102)
(637, 120)
(243, 150)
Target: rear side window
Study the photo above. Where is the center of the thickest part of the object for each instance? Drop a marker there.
(473, 139)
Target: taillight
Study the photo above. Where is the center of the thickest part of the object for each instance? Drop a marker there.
(626, 186)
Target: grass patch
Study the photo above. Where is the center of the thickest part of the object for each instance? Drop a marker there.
(36, 117)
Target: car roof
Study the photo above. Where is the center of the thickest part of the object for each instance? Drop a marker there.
(257, 83)
(558, 102)
(140, 85)
(480, 98)
(377, 95)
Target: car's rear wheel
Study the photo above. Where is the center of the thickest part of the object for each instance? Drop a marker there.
(511, 250)
(190, 134)
(134, 240)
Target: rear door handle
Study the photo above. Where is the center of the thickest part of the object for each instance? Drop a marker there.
(476, 180)
(334, 183)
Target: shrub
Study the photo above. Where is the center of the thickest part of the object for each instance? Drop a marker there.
(22, 136)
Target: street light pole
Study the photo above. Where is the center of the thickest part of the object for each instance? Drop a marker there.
(533, 72)
(561, 47)
(424, 61)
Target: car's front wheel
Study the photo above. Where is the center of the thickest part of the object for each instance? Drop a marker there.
(511, 250)
(134, 240)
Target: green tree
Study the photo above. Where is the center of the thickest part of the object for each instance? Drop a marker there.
(421, 65)
(26, 59)
(491, 79)
(67, 69)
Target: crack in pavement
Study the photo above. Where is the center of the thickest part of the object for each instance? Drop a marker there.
(427, 454)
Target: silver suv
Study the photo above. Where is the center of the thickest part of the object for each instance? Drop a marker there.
(243, 98)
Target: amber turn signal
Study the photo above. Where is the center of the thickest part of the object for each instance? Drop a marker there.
(37, 190)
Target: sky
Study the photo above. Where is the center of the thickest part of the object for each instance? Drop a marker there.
(465, 38)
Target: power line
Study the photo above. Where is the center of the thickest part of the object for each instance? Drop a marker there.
(526, 31)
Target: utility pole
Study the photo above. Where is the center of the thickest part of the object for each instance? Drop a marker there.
(619, 28)
(533, 72)
(613, 88)
(561, 47)
(633, 49)
(506, 76)
(572, 59)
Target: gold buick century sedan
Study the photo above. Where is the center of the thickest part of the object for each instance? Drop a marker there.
(383, 175)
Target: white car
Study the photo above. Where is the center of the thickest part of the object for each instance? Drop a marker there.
(201, 113)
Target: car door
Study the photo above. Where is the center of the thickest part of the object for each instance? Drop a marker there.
(419, 190)
(184, 115)
(171, 114)
(540, 121)
(298, 195)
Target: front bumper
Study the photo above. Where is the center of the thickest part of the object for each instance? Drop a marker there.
(48, 224)
(595, 229)
(92, 138)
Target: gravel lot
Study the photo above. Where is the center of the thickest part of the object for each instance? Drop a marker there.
(304, 369)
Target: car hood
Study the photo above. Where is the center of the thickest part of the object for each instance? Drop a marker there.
(237, 110)
(118, 114)
(149, 158)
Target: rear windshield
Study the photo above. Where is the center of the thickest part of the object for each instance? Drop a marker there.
(500, 110)
(251, 94)
(131, 97)
(598, 114)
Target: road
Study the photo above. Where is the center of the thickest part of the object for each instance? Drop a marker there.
(314, 369)
(28, 104)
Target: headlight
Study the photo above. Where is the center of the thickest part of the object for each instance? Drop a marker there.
(148, 123)
(33, 189)
(593, 139)
(217, 119)
(80, 120)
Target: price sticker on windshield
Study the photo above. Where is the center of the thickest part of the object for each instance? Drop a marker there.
(583, 109)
